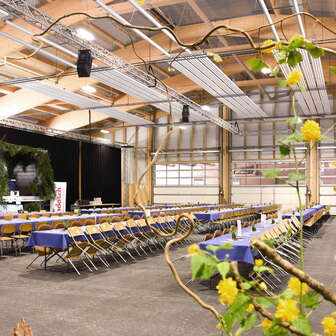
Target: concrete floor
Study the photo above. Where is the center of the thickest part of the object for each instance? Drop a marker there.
(130, 299)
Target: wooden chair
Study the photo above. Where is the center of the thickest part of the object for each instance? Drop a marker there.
(8, 230)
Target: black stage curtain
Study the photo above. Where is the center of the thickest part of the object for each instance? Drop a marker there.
(101, 171)
(64, 159)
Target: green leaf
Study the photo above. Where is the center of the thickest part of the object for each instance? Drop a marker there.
(269, 242)
(275, 329)
(332, 68)
(288, 294)
(247, 323)
(282, 83)
(264, 302)
(202, 266)
(240, 304)
(302, 324)
(295, 44)
(284, 151)
(228, 321)
(271, 173)
(256, 64)
(311, 299)
(276, 70)
(302, 88)
(294, 58)
(247, 285)
(296, 176)
(298, 136)
(314, 51)
(223, 268)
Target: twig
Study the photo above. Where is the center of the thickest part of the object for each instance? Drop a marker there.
(287, 266)
(258, 307)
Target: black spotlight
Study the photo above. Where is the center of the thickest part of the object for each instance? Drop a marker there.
(185, 113)
(84, 63)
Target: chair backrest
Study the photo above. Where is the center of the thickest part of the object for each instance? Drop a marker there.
(89, 222)
(26, 227)
(43, 224)
(43, 227)
(92, 229)
(151, 220)
(131, 223)
(142, 223)
(59, 225)
(105, 227)
(8, 229)
(218, 233)
(75, 231)
(77, 223)
(23, 216)
(118, 227)
(8, 217)
(35, 215)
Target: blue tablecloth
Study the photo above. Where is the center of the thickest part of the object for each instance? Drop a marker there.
(58, 238)
(307, 214)
(191, 208)
(50, 220)
(215, 215)
(241, 249)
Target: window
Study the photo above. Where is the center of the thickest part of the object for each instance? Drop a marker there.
(327, 172)
(250, 173)
(193, 174)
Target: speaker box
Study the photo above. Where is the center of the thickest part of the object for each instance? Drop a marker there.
(84, 63)
(185, 113)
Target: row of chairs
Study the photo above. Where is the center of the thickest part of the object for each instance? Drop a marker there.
(108, 242)
(212, 226)
(286, 241)
(13, 237)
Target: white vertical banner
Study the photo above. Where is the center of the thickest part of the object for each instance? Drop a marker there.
(59, 203)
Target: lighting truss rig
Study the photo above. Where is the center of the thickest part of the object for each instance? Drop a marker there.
(25, 11)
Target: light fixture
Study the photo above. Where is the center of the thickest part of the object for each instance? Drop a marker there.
(88, 89)
(266, 70)
(299, 121)
(182, 127)
(85, 34)
(104, 131)
(206, 108)
(3, 14)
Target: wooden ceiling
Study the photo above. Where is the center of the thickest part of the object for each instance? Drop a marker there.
(41, 109)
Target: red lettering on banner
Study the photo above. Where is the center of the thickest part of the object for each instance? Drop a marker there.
(58, 201)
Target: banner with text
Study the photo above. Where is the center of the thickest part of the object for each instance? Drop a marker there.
(59, 203)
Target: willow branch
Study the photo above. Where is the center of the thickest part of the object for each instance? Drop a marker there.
(287, 266)
(173, 269)
(265, 313)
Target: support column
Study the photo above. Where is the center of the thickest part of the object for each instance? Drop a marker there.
(314, 175)
(225, 169)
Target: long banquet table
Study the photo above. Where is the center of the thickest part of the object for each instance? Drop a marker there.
(50, 220)
(240, 249)
(307, 213)
(215, 215)
(187, 209)
(59, 238)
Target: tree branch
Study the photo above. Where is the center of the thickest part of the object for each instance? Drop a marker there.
(287, 266)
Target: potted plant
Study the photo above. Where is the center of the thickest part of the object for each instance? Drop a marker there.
(233, 231)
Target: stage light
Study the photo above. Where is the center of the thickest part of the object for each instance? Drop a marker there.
(185, 113)
(104, 131)
(84, 63)
(206, 108)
